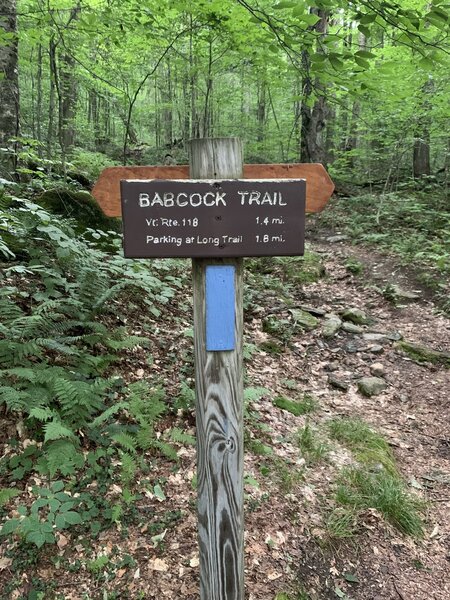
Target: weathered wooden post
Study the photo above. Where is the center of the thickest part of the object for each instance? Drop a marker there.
(218, 323)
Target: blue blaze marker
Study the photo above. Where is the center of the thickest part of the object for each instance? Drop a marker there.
(220, 308)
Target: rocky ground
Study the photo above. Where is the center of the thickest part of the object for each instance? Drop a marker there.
(349, 361)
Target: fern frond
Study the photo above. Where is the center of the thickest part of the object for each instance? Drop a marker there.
(62, 455)
(178, 436)
(15, 400)
(125, 440)
(109, 412)
(129, 468)
(166, 449)
(42, 414)
(55, 430)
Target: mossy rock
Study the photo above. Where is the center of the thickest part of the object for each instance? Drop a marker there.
(424, 354)
(78, 205)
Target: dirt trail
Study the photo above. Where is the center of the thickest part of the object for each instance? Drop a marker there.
(288, 547)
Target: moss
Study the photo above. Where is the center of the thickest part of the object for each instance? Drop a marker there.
(78, 205)
(424, 354)
(296, 407)
(271, 347)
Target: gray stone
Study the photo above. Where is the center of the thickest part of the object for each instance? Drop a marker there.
(395, 336)
(381, 338)
(350, 327)
(400, 294)
(375, 349)
(337, 238)
(304, 319)
(352, 348)
(332, 366)
(377, 369)
(331, 326)
(316, 312)
(371, 386)
(355, 315)
(337, 383)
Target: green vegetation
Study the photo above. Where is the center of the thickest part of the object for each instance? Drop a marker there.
(424, 354)
(312, 446)
(360, 489)
(57, 348)
(297, 407)
(367, 445)
(372, 483)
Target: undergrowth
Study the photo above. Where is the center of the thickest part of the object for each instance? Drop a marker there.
(373, 482)
(59, 305)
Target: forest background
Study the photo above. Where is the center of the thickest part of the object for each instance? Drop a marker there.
(361, 87)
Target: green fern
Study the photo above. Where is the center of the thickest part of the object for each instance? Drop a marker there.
(178, 436)
(126, 441)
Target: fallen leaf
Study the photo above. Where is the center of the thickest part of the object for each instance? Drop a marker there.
(158, 565)
(5, 563)
(194, 562)
(62, 541)
(273, 576)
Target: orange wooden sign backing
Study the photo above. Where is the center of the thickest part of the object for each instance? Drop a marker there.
(319, 185)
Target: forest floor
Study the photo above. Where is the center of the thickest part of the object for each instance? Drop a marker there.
(295, 545)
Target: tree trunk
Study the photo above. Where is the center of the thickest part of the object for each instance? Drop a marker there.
(312, 148)
(52, 94)
(9, 90)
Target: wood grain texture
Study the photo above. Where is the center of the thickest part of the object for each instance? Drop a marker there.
(219, 410)
(319, 186)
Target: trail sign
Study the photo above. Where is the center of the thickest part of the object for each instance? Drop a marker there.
(319, 189)
(186, 218)
(226, 211)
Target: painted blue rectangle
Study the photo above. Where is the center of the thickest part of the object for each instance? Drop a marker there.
(220, 308)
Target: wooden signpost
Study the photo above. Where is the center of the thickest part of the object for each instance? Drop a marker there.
(216, 217)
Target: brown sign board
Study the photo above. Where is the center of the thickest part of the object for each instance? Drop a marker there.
(213, 218)
(319, 185)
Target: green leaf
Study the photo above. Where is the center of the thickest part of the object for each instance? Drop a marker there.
(72, 517)
(157, 490)
(364, 30)
(60, 521)
(285, 4)
(6, 494)
(310, 19)
(10, 526)
(36, 537)
(365, 54)
(336, 63)
(58, 486)
(351, 578)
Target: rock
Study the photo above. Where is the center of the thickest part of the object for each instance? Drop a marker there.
(381, 338)
(394, 336)
(304, 319)
(352, 348)
(351, 327)
(316, 312)
(394, 293)
(375, 349)
(424, 354)
(337, 238)
(377, 369)
(332, 366)
(339, 384)
(78, 205)
(331, 326)
(371, 386)
(356, 316)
